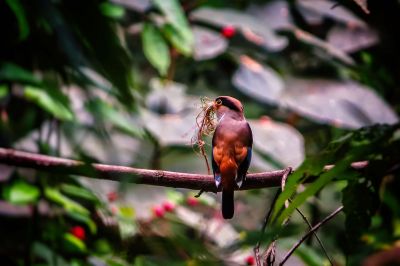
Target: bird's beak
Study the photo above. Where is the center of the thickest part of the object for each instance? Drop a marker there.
(215, 106)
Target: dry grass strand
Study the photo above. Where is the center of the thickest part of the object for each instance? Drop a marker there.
(205, 123)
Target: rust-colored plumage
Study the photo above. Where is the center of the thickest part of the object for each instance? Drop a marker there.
(231, 155)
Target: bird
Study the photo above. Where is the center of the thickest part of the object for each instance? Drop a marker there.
(231, 149)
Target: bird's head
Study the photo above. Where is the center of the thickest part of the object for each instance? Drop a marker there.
(226, 104)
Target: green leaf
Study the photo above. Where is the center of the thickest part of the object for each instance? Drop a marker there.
(103, 247)
(79, 192)
(74, 244)
(3, 90)
(155, 48)
(309, 256)
(84, 218)
(69, 205)
(182, 44)
(21, 192)
(53, 101)
(127, 212)
(127, 228)
(50, 256)
(358, 212)
(313, 188)
(12, 72)
(175, 16)
(112, 11)
(175, 196)
(120, 121)
(18, 9)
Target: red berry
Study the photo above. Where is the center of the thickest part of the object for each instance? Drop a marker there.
(158, 211)
(168, 206)
(112, 196)
(78, 232)
(228, 31)
(192, 201)
(250, 260)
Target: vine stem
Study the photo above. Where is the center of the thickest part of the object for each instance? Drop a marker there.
(309, 233)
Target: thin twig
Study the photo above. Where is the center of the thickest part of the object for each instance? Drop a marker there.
(284, 178)
(315, 234)
(199, 194)
(312, 230)
(264, 226)
(283, 183)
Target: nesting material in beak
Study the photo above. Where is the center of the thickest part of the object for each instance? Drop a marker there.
(205, 122)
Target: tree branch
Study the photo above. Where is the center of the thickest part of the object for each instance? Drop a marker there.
(136, 175)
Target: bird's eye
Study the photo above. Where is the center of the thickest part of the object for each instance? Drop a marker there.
(218, 102)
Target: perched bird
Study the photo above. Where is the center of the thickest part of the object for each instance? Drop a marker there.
(231, 149)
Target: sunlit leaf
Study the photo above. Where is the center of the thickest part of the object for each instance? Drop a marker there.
(177, 40)
(155, 48)
(83, 218)
(74, 244)
(175, 16)
(21, 192)
(175, 196)
(127, 212)
(127, 228)
(363, 143)
(12, 72)
(314, 187)
(3, 90)
(112, 11)
(19, 12)
(79, 192)
(51, 100)
(69, 205)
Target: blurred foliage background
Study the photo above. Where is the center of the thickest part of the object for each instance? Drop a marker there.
(120, 82)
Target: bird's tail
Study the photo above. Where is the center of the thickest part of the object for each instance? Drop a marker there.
(228, 207)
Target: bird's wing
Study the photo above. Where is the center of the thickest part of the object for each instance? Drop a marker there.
(216, 171)
(243, 167)
(215, 167)
(245, 163)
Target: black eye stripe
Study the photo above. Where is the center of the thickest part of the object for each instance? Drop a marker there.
(231, 105)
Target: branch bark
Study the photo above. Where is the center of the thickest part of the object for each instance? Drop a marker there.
(136, 175)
